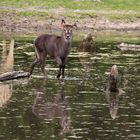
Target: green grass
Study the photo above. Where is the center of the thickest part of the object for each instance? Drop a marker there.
(124, 17)
(39, 8)
(110, 16)
(128, 37)
(32, 14)
(72, 4)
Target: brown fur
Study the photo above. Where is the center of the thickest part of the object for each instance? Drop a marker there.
(57, 47)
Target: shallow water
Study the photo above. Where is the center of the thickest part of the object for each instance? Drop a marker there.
(76, 107)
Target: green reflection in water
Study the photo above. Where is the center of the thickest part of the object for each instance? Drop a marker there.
(76, 108)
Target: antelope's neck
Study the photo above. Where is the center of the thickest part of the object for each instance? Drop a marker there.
(66, 43)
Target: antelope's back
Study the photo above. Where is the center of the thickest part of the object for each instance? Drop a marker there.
(47, 43)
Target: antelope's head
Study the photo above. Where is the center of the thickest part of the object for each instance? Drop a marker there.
(67, 31)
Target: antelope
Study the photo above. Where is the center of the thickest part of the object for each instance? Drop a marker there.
(57, 47)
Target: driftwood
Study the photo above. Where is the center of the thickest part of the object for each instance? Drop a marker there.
(13, 75)
(129, 47)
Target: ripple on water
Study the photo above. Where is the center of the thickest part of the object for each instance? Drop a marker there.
(89, 109)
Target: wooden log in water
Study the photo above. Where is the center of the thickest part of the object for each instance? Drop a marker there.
(113, 80)
(129, 47)
(13, 75)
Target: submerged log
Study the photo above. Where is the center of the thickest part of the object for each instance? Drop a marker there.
(129, 47)
(13, 75)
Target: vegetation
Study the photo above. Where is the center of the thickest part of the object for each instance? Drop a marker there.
(76, 4)
(111, 9)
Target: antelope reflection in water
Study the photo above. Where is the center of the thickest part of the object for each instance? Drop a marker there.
(6, 65)
(113, 91)
(55, 109)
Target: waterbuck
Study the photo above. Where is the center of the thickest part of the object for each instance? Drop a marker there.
(57, 47)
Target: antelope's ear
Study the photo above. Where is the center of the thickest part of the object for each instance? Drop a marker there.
(63, 23)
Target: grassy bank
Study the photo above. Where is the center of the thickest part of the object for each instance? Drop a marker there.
(76, 4)
(111, 9)
(39, 15)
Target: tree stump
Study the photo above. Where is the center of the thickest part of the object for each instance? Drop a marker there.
(87, 44)
(113, 80)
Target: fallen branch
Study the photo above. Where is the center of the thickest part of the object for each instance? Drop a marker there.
(129, 47)
(13, 75)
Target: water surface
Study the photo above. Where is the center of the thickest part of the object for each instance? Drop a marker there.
(76, 107)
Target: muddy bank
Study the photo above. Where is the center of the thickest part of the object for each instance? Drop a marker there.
(14, 23)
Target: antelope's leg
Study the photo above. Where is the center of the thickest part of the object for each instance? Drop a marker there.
(36, 61)
(42, 63)
(63, 70)
(59, 72)
(64, 60)
(59, 62)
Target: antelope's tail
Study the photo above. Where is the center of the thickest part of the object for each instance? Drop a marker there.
(36, 51)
